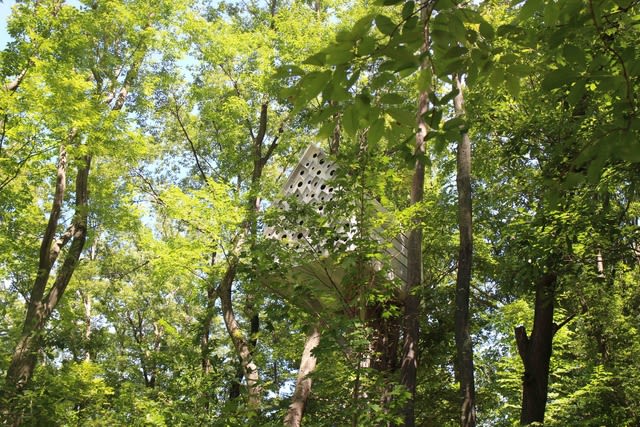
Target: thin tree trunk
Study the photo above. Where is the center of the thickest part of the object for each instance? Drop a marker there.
(86, 302)
(411, 321)
(40, 306)
(242, 345)
(464, 346)
(85, 297)
(535, 352)
(206, 323)
(385, 340)
(303, 382)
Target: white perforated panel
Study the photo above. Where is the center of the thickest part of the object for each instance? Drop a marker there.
(310, 183)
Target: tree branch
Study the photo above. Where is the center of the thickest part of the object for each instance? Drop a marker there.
(522, 341)
(13, 85)
(190, 141)
(272, 146)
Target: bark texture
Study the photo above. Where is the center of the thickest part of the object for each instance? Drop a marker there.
(303, 382)
(464, 347)
(205, 349)
(244, 346)
(41, 305)
(535, 352)
(411, 321)
(240, 343)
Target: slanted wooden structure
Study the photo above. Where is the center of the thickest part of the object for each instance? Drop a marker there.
(311, 183)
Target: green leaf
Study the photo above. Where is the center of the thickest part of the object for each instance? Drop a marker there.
(350, 120)
(470, 15)
(433, 117)
(520, 70)
(457, 123)
(455, 52)
(354, 78)
(376, 130)
(312, 84)
(496, 79)
(424, 79)
(345, 36)
(479, 56)
(381, 80)
(577, 91)
(509, 58)
(403, 116)
(325, 113)
(574, 55)
(366, 46)
(558, 78)
(457, 29)
(486, 30)
(529, 9)
(362, 26)
(411, 25)
(407, 9)
(316, 59)
(623, 4)
(338, 92)
(441, 38)
(337, 55)
(392, 98)
(455, 66)
(385, 24)
(513, 85)
(289, 71)
(441, 5)
(440, 141)
(628, 147)
(550, 14)
(573, 179)
(448, 97)
(594, 171)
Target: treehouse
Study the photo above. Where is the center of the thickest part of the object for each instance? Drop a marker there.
(310, 191)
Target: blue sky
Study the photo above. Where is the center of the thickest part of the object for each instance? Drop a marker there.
(5, 10)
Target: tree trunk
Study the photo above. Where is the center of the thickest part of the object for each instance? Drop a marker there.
(86, 302)
(385, 339)
(40, 306)
(535, 352)
(206, 322)
(411, 321)
(242, 346)
(303, 383)
(464, 347)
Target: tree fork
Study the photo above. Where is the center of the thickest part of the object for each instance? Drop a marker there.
(535, 352)
(24, 359)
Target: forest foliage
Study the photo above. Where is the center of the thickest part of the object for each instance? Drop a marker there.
(144, 145)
